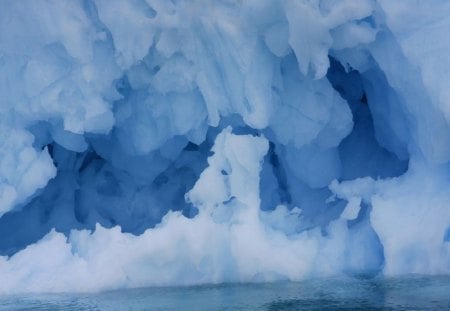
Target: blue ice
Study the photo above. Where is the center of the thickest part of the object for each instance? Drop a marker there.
(154, 142)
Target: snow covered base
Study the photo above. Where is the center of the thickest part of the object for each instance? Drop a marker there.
(157, 142)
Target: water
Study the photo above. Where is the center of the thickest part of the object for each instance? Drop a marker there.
(406, 293)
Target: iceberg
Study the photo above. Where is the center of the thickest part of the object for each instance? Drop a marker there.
(155, 142)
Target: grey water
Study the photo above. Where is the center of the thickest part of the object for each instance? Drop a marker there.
(400, 293)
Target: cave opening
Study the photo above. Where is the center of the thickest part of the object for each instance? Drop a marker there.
(360, 154)
(89, 189)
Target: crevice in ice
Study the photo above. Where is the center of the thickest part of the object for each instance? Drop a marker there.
(447, 235)
(273, 181)
(360, 152)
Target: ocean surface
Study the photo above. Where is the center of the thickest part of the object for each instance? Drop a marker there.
(405, 293)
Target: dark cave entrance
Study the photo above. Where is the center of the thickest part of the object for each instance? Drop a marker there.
(361, 153)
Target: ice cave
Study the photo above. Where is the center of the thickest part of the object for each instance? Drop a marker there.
(181, 142)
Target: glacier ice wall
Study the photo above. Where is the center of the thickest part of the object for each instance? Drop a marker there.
(155, 142)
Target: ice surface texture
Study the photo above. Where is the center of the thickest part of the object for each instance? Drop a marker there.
(157, 142)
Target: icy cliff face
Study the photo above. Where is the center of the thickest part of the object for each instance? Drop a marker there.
(155, 142)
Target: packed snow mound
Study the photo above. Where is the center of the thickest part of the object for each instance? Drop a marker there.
(155, 142)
